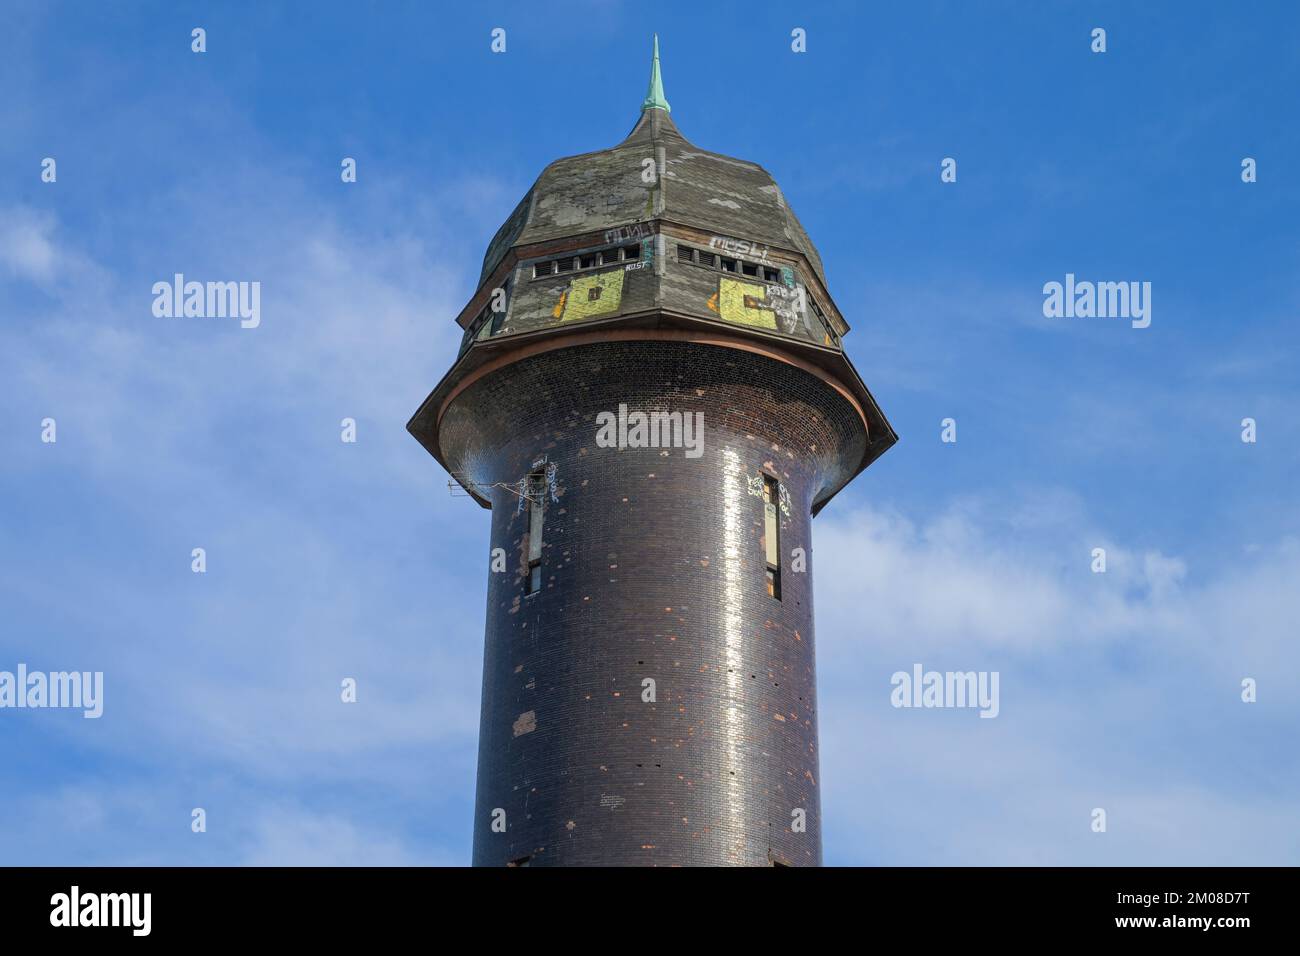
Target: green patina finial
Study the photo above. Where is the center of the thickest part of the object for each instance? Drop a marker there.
(654, 99)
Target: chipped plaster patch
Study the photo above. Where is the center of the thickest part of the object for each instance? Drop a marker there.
(775, 190)
(526, 723)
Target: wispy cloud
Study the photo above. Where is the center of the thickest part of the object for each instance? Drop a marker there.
(177, 433)
(1119, 690)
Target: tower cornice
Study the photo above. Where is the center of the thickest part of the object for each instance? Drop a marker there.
(831, 366)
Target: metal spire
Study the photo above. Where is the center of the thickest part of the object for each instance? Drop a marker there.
(654, 98)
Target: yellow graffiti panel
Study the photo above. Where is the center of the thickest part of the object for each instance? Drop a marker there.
(588, 296)
(738, 302)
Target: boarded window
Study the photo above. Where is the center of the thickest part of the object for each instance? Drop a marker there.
(563, 265)
(542, 269)
(708, 259)
(685, 254)
(536, 513)
(772, 534)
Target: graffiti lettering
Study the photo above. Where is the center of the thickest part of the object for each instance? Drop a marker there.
(624, 233)
(789, 306)
(739, 247)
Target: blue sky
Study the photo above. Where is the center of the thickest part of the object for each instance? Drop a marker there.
(327, 560)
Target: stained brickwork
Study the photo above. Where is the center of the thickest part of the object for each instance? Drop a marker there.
(653, 567)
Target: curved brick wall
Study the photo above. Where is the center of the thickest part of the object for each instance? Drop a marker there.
(653, 566)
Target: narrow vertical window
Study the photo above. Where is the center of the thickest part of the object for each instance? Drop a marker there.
(536, 511)
(771, 535)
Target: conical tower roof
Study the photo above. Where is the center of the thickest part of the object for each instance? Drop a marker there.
(606, 190)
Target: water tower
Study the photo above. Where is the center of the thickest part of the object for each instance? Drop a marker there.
(653, 399)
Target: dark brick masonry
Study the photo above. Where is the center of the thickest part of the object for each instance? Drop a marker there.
(653, 566)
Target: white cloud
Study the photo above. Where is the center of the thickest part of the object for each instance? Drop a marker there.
(175, 433)
(1118, 690)
(26, 246)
